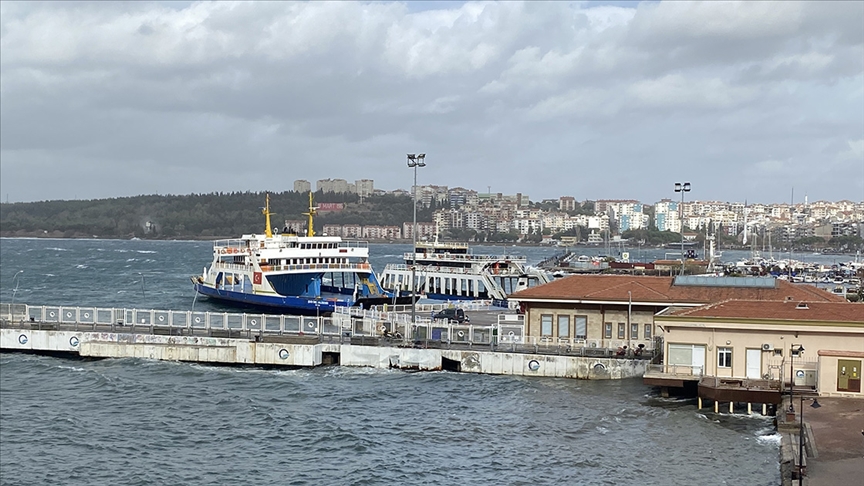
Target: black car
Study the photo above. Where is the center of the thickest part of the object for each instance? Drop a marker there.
(452, 315)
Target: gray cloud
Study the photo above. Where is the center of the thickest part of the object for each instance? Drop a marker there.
(745, 100)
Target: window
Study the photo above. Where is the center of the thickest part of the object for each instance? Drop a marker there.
(581, 327)
(647, 334)
(724, 357)
(607, 331)
(634, 331)
(545, 324)
(563, 326)
(621, 330)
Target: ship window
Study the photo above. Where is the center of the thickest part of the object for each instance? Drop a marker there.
(563, 326)
(546, 325)
(581, 327)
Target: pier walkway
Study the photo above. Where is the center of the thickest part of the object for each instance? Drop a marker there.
(352, 338)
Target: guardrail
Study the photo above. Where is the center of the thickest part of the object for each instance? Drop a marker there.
(672, 369)
(507, 334)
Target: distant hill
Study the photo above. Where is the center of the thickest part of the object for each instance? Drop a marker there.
(195, 216)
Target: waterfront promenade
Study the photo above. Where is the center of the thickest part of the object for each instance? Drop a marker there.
(837, 426)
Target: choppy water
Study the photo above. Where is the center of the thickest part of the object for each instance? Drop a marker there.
(142, 422)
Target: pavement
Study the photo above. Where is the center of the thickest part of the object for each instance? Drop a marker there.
(837, 431)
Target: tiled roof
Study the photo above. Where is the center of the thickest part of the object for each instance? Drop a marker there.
(661, 289)
(797, 311)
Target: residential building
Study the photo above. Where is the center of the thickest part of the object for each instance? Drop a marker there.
(332, 185)
(364, 187)
(302, 186)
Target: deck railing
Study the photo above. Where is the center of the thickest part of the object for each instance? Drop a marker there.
(679, 370)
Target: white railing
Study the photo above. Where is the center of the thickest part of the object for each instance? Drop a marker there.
(423, 269)
(680, 370)
(508, 332)
(464, 256)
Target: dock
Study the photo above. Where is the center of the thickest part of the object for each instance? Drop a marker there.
(359, 338)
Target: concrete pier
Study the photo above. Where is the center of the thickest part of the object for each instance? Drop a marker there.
(244, 351)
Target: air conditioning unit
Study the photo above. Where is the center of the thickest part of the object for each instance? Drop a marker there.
(767, 347)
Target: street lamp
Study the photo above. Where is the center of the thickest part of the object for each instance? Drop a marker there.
(414, 161)
(792, 353)
(14, 291)
(682, 188)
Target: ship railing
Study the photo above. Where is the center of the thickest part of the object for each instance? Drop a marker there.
(454, 270)
(294, 268)
(462, 256)
(353, 244)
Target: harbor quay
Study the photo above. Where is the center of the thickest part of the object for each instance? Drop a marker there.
(362, 340)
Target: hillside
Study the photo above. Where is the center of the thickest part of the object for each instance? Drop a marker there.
(195, 216)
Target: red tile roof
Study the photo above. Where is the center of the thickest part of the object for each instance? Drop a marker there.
(797, 311)
(661, 290)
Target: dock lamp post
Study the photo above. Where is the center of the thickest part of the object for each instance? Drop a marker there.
(682, 188)
(414, 161)
(17, 281)
(794, 350)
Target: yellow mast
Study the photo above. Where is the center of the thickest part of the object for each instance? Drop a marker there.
(266, 212)
(311, 213)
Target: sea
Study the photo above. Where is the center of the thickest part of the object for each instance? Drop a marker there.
(142, 422)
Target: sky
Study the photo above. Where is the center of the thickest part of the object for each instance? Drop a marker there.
(759, 101)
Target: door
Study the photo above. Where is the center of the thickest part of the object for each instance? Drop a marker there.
(849, 375)
(754, 363)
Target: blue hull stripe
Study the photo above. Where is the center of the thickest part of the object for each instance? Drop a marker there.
(293, 303)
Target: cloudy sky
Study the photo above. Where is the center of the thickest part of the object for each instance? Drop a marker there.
(594, 100)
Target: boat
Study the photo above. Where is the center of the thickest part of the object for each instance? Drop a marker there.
(449, 271)
(303, 274)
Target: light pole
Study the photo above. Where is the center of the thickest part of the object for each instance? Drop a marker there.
(414, 161)
(792, 353)
(14, 291)
(682, 188)
(629, 326)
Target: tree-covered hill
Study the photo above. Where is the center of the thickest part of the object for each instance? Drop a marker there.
(193, 216)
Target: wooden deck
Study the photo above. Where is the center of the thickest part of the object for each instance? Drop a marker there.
(739, 390)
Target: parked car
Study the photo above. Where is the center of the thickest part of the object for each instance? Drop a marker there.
(453, 315)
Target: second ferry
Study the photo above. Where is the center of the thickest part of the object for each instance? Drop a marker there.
(449, 271)
(297, 274)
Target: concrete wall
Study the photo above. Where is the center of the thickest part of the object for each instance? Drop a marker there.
(497, 363)
(241, 351)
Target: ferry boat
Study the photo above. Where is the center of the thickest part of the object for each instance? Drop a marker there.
(299, 274)
(449, 271)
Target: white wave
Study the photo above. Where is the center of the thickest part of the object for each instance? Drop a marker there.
(80, 266)
(57, 249)
(50, 275)
(131, 259)
(146, 251)
(772, 440)
(71, 368)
